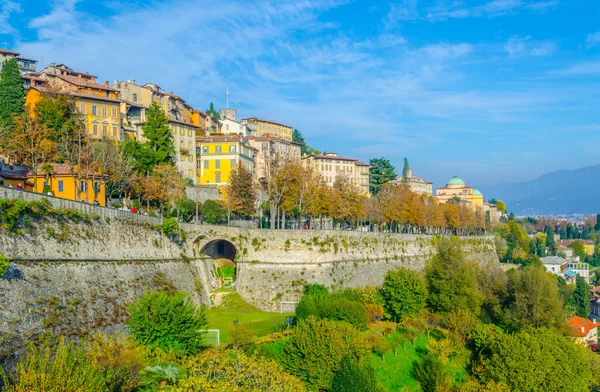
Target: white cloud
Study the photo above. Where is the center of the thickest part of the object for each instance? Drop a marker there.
(592, 40)
(492, 8)
(524, 46)
(7, 8)
(446, 51)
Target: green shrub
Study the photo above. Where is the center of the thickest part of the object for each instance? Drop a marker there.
(170, 226)
(352, 312)
(316, 348)
(153, 378)
(404, 293)
(214, 211)
(241, 336)
(60, 368)
(3, 265)
(430, 374)
(168, 321)
(354, 378)
(342, 305)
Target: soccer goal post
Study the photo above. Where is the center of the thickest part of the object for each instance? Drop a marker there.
(213, 336)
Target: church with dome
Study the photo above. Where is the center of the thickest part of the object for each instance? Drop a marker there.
(456, 187)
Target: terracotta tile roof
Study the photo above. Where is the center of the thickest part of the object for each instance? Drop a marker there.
(183, 123)
(81, 82)
(9, 51)
(26, 59)
(266, 138)
(267, 121)
(580, 326)
(566, 243)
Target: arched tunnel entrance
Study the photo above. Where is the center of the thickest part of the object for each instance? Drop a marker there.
(221, 256)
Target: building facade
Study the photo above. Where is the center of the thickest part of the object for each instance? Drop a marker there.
(267, 147)
(416, 184)
(456, 188)
(232, 127)
(25, 65)
(583, 330)
(261, 127)
(218, 156)
(330, 165)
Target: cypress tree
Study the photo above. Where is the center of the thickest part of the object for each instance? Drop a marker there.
(12, 92)
(159, 139)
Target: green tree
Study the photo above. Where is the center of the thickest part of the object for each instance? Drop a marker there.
(580, 299)
(159, 139)
(160, 320)
(597, 226)
(212, 112)
(451, 280)
(405, 170)
(12, 92)
(532, 299)
(430, 373)
(404, 293)
(4, 264)
(525, 361)
(316, 348)
(305, 149)
(381, 172)
(213, 211)
(578, 248)
(352, 377)
(501, 206)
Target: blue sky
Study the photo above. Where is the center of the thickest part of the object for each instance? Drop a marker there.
(489, 90)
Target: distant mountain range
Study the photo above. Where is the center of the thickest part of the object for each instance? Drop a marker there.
(560, 192)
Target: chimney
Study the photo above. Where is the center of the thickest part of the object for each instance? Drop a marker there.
(594, 320)
(116, 81)
(582, 329)
(106, 83)
(132, 81)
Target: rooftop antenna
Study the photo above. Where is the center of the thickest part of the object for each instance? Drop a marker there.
(227, 98)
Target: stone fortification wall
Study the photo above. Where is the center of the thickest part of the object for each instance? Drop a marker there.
(203, 193)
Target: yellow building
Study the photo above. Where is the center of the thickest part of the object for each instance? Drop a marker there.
(98, 105)
(456, 188)
(58, 183)
(260, 127)
(218, 156)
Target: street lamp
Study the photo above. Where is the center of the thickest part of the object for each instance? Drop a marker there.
(378, 324)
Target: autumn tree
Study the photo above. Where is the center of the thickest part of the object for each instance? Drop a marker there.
(12, 92)
(115, 164)
(240, 196)
(578, 248)
(381, 172)
(29, 144)
(347, 200)
(58, 113)
(277, 182)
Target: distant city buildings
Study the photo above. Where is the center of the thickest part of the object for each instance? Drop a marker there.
(416, 184)
(330, 165)
(262, 127)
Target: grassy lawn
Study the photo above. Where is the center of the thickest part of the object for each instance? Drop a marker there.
(395, 373)
(234, 307)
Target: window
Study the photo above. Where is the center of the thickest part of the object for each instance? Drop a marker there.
(96, 187)
(94, 110)
(227, 127)
(206, 164)
(134, 97)
(218, 164)
(205, 149)
(104, 111)
(217, 177)
(82, 107)
(218, 149)
(83, 186)
(191, 158)
(180, 145)
(190, 146)
(190, 174)
(189, 133)
(94, 128)
(61, 186)
(181, 131)
(231, 148)
(233, 162)
(114, 112)
(105, 130)
(115, 132)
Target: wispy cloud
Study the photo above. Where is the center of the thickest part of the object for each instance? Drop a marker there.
(408, 10)
(592, 40)
(525, 46)
(7, 8)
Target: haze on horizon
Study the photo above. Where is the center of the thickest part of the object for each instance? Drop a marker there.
(490, 90)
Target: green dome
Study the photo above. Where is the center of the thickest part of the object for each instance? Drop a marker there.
(476, 192)
(456, 181)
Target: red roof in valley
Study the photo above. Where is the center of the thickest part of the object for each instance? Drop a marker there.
(580, 326)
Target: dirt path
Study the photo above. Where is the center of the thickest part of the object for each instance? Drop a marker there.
(218, 297)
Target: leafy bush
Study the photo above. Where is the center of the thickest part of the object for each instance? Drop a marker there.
(216, 371)
(167, 321)
(214, 212)
(61, 368)
(170, 226)
(3, 265)
(354, 378)
(161, 375)
(404, 293)
(241, 336)
(121, 360)
(354, 313)
(430, 374)
(343, 305)
(316, 348)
